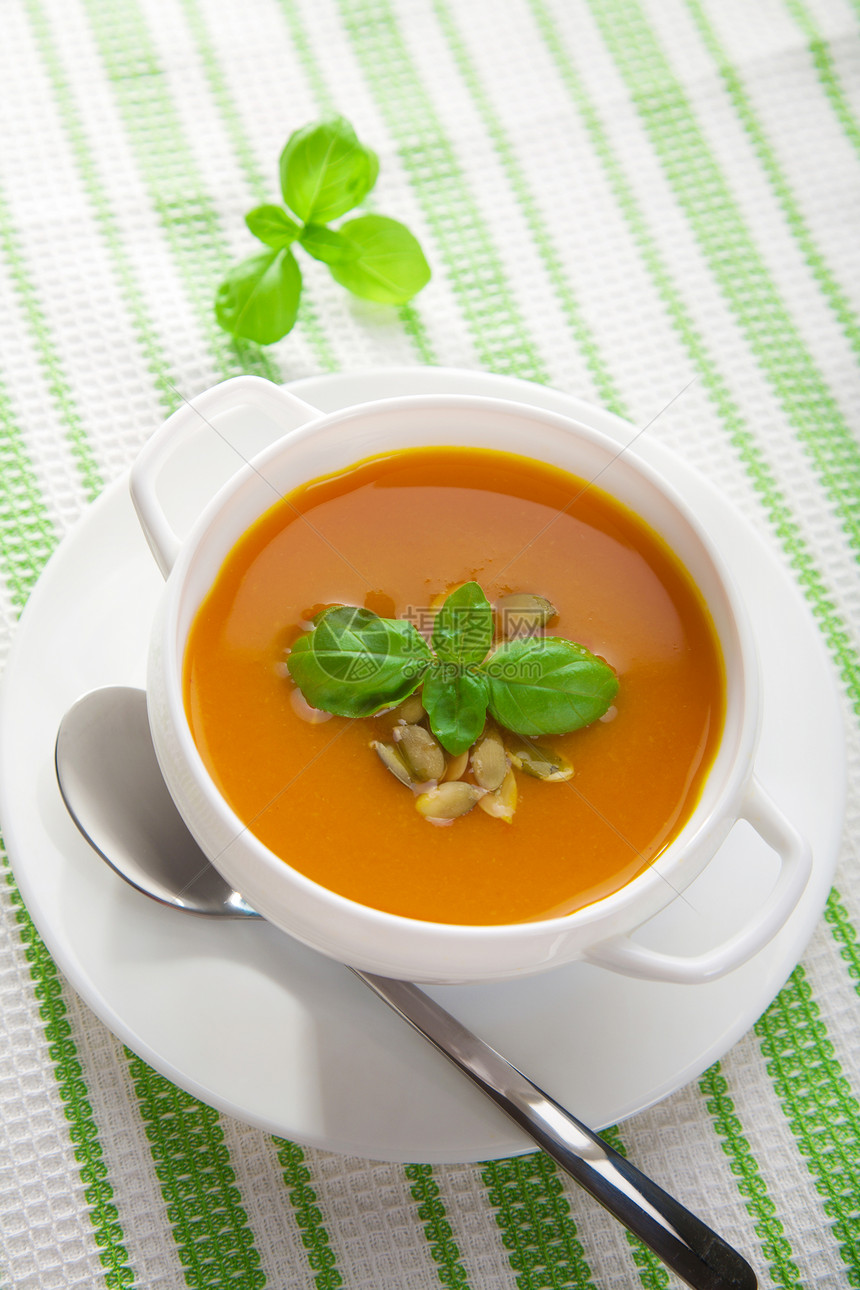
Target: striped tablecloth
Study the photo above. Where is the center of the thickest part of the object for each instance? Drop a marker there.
(617, 198)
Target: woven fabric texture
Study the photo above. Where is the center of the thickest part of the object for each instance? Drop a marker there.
(620, 199)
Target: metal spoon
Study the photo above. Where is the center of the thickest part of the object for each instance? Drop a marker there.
(114, 791)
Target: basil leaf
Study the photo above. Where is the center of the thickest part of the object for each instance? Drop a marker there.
(547, 686)
(354, 663)
(325, 171)
(327, 244)
(455, 699)
(390, 266)
(463, 628)
(259, 298)
(272, 225)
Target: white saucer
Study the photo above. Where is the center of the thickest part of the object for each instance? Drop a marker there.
(269, 1032)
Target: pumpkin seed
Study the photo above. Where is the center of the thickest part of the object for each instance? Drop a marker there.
(391, 759)
(540, 762)
(502, 803)
(411, 710)
(522, 615)
(489, 760)
(448, 801)
(301, 707)
(421, 752)
(456, 767)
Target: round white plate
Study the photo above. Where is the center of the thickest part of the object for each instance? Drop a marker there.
(276, 1035)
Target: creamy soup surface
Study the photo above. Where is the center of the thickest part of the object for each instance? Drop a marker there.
(394, 534)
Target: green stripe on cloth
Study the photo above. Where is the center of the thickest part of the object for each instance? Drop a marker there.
(775, 1245)
(477, 275)
(166, 163)
(310, 66)
(192, 1163)
(303, 1198)
(146, 333)
(819, 1106)
(552, 259)
(243, 149)
(27, 535)
(534, 1217)
(845, 935)
(832, 291)
(46, 353)
(413, 325)
(431, 1211)
(826, 69)
(652, 1272)
(83, 1131)
(27, 539)
(705, 197)
(409, 314)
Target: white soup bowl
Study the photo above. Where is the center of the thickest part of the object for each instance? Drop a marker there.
(311, 444)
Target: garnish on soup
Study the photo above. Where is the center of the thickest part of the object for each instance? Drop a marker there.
(324, 173)
(354, 663)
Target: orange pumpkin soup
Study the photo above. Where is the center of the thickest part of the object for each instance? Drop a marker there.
(393, 534)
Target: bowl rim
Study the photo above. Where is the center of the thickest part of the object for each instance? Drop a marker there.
(649, 885)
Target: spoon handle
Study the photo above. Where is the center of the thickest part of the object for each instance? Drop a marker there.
(682, 1241)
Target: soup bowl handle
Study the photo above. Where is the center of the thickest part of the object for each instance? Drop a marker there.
(288, 411)
(621, 954)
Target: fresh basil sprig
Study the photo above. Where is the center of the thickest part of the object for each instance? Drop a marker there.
(324, 171)
(354, 663)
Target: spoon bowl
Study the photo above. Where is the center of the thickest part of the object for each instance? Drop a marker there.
(136, 829)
